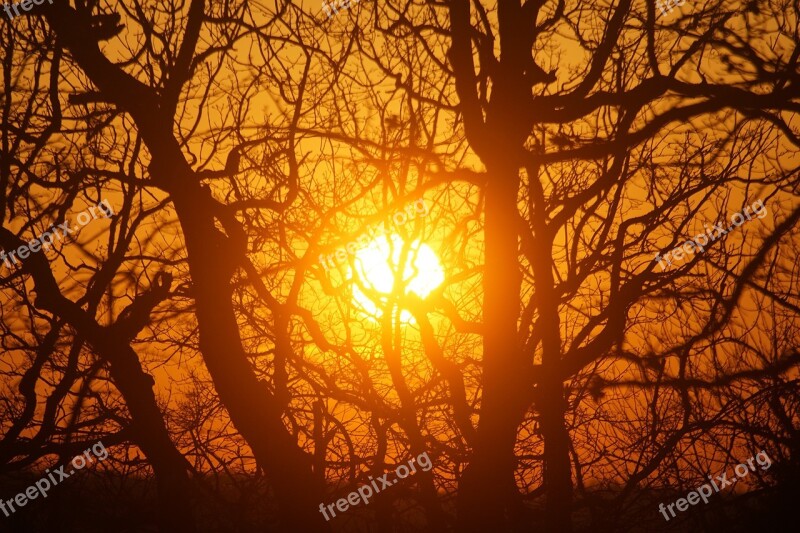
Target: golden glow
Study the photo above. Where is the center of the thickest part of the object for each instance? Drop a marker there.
(378, 263)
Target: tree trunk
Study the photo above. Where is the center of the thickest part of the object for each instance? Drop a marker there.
(254, 410)
(557, 470)
(147, 424)
(549, 393)
(175, 490)
(487, 490)
(212, 257)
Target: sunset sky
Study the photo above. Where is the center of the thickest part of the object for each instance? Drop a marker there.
(514, 265)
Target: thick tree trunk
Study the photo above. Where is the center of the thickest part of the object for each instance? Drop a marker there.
(488, 498)
(487, 491)
(254, 410)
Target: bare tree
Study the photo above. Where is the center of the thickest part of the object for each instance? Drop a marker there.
(561, 364)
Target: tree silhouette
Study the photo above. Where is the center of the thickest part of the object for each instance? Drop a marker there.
(563, 375)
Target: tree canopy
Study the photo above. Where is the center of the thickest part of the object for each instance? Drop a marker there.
(549, 245)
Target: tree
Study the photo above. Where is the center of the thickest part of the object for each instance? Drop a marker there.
(62, 345)
(567, 358)
(567, 146)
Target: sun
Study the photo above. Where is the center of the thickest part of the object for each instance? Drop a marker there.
(377, 265)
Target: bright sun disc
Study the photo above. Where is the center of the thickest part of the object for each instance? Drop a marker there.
(421, 274)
